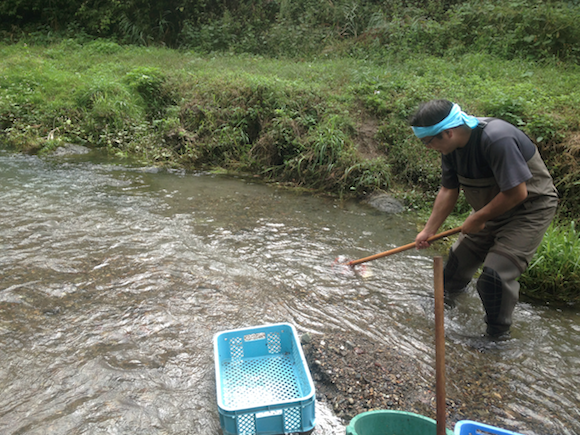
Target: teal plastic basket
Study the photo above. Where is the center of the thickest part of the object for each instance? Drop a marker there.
(263, 383)
(468, 427)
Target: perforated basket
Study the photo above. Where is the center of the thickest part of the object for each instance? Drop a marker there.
(263, 383)
(469, 427)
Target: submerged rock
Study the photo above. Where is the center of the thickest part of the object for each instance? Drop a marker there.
(70, 149)
(385, 203)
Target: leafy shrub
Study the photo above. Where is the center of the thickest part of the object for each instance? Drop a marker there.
(412, 163)
(285, 39)
(319, 164)
(102, 46)
(218, 35)
(510, 29)
(517, 28)
(554, 273)
(367, 176)
(504, 107)
(279, 143)
(545, 128)
(149, 83)
(107, 103)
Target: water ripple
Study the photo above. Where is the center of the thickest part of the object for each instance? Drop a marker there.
(114, 280)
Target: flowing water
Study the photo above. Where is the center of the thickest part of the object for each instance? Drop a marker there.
(114, 280)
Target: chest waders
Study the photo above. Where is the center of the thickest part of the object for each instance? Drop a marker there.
(504, 248)
(497, 285)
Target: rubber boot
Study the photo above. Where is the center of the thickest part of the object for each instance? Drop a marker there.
(499, 293)
(459, 269)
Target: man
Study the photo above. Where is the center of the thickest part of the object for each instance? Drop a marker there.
(511, 192)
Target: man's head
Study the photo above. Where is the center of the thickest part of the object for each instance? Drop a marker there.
(442, 125)
(431, 113)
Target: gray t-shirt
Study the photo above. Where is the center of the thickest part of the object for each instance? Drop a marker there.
(497, 157)
(495, 149)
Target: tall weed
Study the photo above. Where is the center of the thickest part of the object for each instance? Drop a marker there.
(149, 83)
(528, 28)
(108, 102)
(554, 273)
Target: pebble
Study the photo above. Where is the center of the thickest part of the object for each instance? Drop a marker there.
(353, 375)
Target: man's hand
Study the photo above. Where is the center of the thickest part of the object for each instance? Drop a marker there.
(444, 203)
(472, 224)
(502, 202)
(421, 239)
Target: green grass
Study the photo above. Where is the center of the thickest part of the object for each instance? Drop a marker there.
(131, 99)
(554, 274)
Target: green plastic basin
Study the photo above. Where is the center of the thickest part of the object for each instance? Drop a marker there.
(384, 422)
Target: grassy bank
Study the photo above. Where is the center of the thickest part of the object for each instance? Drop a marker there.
(333, 124)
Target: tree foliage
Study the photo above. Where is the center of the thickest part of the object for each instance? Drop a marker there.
(531, 28)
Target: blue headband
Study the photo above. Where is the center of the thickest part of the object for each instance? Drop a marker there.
(455, 118)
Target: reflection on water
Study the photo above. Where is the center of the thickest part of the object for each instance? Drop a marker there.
(113, 281)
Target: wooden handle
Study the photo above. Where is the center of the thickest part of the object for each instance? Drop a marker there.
(404, 247)
(439, 345)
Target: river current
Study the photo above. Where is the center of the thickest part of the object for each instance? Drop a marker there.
(115, 278)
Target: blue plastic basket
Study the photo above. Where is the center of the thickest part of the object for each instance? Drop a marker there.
(468, 427)
(263, 384)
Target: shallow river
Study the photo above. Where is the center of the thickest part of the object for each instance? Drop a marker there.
(114, 280)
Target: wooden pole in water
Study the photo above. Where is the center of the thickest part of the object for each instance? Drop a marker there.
(439, 345)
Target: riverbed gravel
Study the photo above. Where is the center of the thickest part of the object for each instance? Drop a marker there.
(354, 374)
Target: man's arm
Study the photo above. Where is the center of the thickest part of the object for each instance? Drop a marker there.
(502, 202)
(443, 206)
